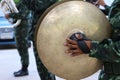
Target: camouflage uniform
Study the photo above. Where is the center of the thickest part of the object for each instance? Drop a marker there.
(109, 49)
(39, 6)
(21, 34)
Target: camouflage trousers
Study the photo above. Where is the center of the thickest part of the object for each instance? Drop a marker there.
(21, 38)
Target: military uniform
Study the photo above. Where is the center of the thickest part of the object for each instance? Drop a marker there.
(21, 37)
(39, 6)
(109, 49)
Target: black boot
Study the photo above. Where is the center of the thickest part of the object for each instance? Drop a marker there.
(21, 73)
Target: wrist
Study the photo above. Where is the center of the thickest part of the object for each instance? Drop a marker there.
(88, 43)
(7, 15)
(84, 46)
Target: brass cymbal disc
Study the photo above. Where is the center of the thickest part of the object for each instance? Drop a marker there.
(56, 24)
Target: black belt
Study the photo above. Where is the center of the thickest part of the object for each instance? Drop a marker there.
(112, 68)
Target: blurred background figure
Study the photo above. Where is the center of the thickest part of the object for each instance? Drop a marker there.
(21, 36)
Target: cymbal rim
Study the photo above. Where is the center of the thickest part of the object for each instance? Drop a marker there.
(66, 76)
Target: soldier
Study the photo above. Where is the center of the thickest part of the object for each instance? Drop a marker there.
(108, 50)
(38, 7)
(21, 37)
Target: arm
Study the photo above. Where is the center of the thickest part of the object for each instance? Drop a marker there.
(107, 50)
(23, 12)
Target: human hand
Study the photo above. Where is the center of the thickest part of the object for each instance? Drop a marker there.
(75, 41)
(78, 36)
(73, 48)
(101, 2)
(7, 16)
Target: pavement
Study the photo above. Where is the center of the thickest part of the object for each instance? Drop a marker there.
(10, 62)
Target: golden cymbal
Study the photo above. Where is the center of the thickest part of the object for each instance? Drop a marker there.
(56, 24)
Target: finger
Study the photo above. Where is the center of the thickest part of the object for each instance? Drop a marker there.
(71, 41)
(73, 51)
(75, 54)
(69, 51)
(71, 46)
(77, 51)
(66, 51)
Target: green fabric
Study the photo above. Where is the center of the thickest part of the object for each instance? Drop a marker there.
(109, 50)
(22, 33)
(38, 7)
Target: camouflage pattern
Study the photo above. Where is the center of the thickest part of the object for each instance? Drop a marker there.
(22, 33)
(108, 50)
(38, 7)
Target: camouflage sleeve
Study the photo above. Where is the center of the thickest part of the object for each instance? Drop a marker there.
(23, 12)
(115, 21)
(107, 50)
(41, 5)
